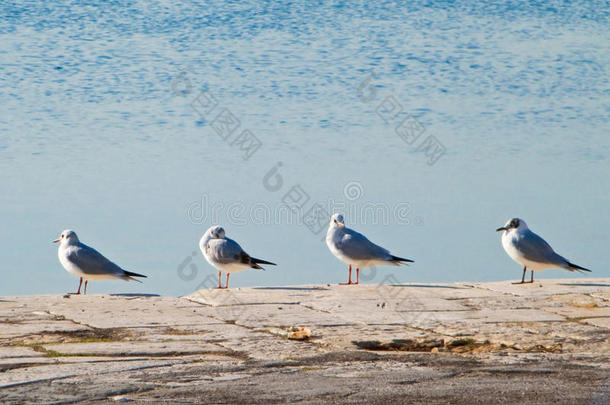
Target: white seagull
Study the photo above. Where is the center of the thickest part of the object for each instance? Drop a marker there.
(87, 263)
(530, 250)
(225, 254)
(355, 249)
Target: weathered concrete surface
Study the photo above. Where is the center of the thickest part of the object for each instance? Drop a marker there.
(444, 343)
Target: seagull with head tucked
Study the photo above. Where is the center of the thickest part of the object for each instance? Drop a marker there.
(354, 249)
(87, 263)
(530, 250)
(225, 254)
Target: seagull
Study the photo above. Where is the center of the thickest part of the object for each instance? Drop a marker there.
(530, 250)
(353, 248)
(87, 263)
(225, 254)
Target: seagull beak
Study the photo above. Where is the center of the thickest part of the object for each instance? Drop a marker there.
(501, 229)
(56, 240)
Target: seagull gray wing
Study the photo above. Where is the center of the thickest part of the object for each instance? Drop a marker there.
(356, 246)
(536, 249)
(226, 251)
(90, 261)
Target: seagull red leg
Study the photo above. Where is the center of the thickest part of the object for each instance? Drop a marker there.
(357, 275)
(219, 286)
(349, 278)
(227, 285)
(532, 271)
(86, 281)
(79, 284)
(523, 278)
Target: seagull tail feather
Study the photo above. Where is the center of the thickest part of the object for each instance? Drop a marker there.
(400, 260)
(129, 275)
(576, 267)
(254, 263)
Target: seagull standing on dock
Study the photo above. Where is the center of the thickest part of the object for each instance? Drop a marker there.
(225, 254)
(354, 249)
(87, 263)
(530, 250)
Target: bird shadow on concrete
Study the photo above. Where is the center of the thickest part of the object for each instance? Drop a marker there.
(585, 285)
(428, 286)
(134, 295)
(291, 288)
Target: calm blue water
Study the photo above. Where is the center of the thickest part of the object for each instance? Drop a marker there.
(508, 100)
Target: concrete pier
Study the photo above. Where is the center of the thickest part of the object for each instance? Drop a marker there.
(547, 342)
